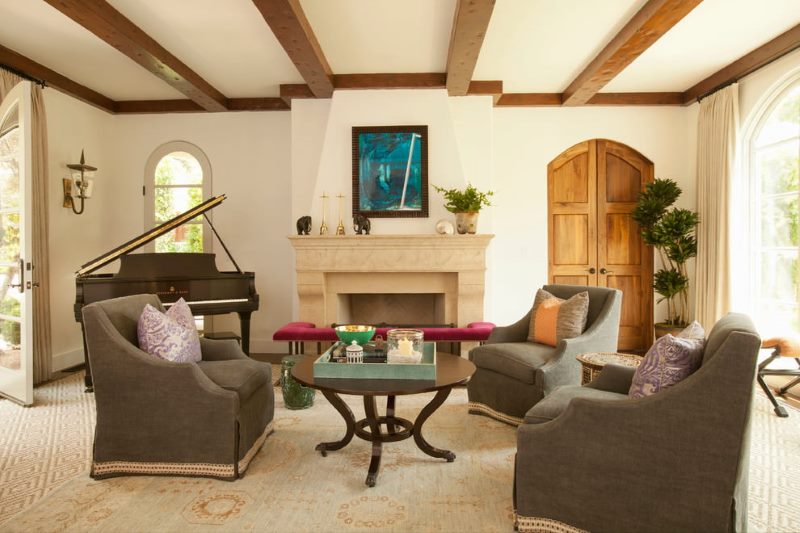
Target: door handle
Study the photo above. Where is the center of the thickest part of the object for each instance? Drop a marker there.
(19, 286)
(604, 271)
(592, 270)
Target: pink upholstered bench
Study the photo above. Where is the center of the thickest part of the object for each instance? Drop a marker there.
(298, 333)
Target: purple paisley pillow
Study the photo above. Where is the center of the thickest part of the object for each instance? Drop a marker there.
(667, 362)
(172, 335)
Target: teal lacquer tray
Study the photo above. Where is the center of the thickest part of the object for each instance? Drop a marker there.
(323, 368)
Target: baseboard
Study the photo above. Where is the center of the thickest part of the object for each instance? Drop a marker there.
(67, 360)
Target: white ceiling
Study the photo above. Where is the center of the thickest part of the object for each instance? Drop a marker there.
(41, 33)
(715, 34)
(363, 37)
(531, 45)
(227, 43)
(540, 46)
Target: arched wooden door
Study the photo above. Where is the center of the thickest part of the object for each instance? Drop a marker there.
(592, 239)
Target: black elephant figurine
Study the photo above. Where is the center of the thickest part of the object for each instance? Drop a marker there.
(304, 225)
(361, 225)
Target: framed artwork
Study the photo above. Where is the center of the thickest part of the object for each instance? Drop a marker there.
(390, 171)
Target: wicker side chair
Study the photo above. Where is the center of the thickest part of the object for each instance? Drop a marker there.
(157, 417)
(513, 374)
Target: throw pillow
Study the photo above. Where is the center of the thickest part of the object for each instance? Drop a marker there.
(554, 319)
(171, 336)
(693, 331)
(667, 362)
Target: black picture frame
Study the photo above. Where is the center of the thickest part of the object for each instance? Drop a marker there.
(390, 171)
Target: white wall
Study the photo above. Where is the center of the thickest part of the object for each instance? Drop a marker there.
(74, 240)
(525, 141)
(249, 154)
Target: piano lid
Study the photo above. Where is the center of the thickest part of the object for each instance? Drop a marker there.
(148, 236)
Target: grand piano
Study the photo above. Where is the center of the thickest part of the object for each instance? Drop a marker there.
(193, 276)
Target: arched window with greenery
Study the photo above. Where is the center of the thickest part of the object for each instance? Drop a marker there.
(774, 172)
(178, 177)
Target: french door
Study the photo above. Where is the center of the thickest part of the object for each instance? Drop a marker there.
(16, 338)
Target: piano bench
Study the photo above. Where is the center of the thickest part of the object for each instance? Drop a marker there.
(222, 335)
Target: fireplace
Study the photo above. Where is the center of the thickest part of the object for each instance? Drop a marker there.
(409, 279)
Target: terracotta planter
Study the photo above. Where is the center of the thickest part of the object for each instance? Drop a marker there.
(663, 329)
(467, 222)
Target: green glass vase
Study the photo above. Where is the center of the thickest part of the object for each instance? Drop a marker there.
(295, 396)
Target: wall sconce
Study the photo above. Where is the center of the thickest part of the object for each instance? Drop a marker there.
(80, 185)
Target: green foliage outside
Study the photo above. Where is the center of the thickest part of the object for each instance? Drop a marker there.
(671, 231)
(178, 171)
(469, 200)
(10, 331)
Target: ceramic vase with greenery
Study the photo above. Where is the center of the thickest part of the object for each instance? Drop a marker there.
(671, 231)
(466, 204)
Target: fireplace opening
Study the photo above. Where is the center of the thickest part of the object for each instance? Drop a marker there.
(421, 309)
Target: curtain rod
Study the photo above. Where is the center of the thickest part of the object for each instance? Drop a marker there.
(23, 75)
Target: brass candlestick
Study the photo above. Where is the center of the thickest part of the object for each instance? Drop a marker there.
(323, 228)
(340, 226)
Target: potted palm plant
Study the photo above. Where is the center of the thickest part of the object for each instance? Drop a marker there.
(671, 231)
(466, 204)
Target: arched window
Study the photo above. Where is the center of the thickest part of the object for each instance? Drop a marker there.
(773, 156)
(177, 178)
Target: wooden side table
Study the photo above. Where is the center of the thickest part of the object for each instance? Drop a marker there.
(593, 363)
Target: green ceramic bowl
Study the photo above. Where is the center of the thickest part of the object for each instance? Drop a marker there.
(360, 334)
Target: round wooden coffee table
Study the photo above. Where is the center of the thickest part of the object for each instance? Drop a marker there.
(451, 370)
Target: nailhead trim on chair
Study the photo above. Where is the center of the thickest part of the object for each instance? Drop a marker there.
(182, 469)
(483, 409)
(533, 524)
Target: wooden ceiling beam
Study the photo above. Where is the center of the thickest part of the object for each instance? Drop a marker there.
(413, 80)
(100, 18)
(470, 23)
(493, 88)
(636, 99)
(747, 64)
(291, 91)
(291, 28)
(55, 80)
(529, 99)
(648, 25)
(134, 107)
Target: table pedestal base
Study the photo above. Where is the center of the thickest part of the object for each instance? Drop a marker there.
(397, 429)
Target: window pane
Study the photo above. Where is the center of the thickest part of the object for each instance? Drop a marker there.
(9, 237)
(777, 168)
(784, 121)
(185, 238)
(780, 222)
(179, 168)
(9, 344)
(9, 177)
(9, 143)
(779, 275)
(174, 201)
(778, 318)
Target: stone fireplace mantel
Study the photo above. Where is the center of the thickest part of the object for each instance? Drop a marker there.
(450, 265)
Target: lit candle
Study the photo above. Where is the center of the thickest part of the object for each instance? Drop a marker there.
(405, 346)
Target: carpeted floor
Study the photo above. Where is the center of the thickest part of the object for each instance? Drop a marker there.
(44, 486)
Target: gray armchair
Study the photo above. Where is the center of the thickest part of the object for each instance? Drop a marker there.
(157, 417)
(513, 374)
(591, 458)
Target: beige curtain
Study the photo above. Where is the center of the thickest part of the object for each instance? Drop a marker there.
(717, 127)
(42, 347)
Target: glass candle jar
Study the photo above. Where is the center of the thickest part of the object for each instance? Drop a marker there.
(404, 343)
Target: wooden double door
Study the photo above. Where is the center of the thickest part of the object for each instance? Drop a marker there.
(592, 189)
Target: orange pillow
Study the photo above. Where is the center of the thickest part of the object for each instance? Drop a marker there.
(547, 321)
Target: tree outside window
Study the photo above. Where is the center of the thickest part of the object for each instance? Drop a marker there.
(178, 187)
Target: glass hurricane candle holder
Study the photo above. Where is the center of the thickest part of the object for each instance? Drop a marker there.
(404, 345)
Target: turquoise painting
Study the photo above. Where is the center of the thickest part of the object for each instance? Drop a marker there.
(390, 175)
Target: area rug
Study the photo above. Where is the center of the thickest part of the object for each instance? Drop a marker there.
(290, 487)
